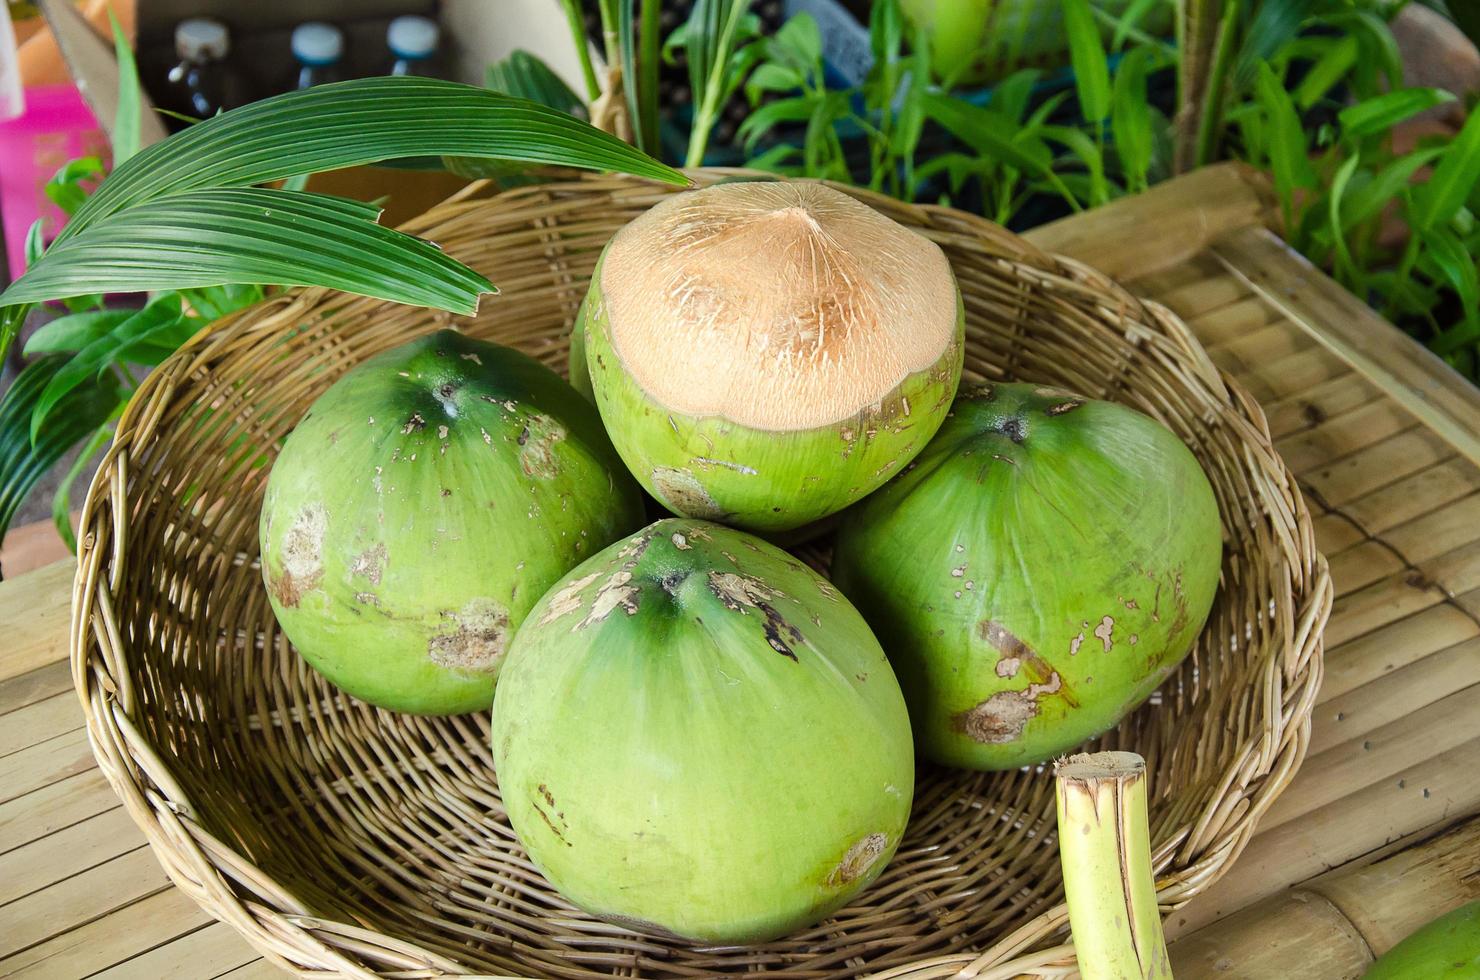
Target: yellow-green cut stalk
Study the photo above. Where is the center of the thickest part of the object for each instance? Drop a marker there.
(1105, 848)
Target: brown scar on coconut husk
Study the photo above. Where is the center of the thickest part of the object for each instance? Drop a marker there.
(302, 556)
(370, 563)
(1015, 655)
(682, 491)
(1002, 717)
(741, 593)
(1064, 407)
(859, 859)
(567, 599)
(549, 801)
(616, 591)
(477, 642)
(537, 443)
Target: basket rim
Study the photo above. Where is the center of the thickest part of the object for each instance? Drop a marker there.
(226, 884)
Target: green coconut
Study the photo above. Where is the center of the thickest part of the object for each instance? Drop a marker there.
(422, 506)
(766, 353)
(1039, 570)
(697, 736)
(576, 371)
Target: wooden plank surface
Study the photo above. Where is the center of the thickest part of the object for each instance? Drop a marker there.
(1395, 751)
(1407, 371)
(37, 606)
(1395, 747)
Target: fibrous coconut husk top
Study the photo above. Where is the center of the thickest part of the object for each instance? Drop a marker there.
(776, 304)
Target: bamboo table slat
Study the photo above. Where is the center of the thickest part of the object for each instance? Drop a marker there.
(1385, 441)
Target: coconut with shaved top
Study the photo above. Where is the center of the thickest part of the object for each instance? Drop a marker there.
(697, 736)
(422, 506)
(1036, 573)
(765, 353)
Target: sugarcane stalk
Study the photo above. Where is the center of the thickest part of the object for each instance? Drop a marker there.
(1105, 849)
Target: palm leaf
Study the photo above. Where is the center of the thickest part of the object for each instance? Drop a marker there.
(322, 128)
(347, 124)
(126, 120)
(250, 235)
(525, 76)
(22, 462)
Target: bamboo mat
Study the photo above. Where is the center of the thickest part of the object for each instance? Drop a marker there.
(1385, 441)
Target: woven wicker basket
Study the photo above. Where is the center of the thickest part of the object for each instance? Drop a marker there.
(345, 841)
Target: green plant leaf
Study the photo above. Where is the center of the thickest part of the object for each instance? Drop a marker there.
(831, 161)
(886, 33)
(68, 197)
(1010, 96)
(796, 109)
(1041, 114)
(214, 302)
(22, 462)
(1379, 49)
(775, 159)
(1383, 112)
(126, 120)
(575, 24)
(1445, 258)
(74, 331)
(797, 42)
(358, 122)
(620, 30)
(1368, 200)
(1134, 13)
(1130, 119)
(1334, 198)
(67, 189)
(1087, 55)
(1454, 177)
(525, 76)
(34, 247)
(1286, 140)
(742, 60)
(93, 361)
(61, 501)
(649, 32)
(989, 133)
(710, 39)
(251, 235)
(958, 168)
(1089, 154)
(1273, 24)
(1330, 68)
(772, 77)
(159, 343)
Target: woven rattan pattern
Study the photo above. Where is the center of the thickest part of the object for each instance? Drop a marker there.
(345, 841)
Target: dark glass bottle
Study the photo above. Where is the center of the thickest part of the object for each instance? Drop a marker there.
(413, 45)
(317, 47)
(201, 83)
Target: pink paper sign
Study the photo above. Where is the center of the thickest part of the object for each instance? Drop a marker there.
(56, 126)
